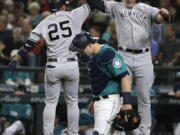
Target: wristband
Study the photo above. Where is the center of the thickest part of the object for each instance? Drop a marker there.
(126, 97)
(22, 53)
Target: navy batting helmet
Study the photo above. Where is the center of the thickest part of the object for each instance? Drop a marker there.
(54, 5)
(81, 41)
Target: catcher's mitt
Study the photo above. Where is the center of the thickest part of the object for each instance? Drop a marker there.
(120, 123)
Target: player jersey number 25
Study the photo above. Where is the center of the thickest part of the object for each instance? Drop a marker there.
(54, 28)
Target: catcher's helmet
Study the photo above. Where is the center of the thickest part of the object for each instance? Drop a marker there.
(54, 5)
(81, 41)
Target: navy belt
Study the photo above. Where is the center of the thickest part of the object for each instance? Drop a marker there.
(100, 97)
(134, 51)
(55, 60)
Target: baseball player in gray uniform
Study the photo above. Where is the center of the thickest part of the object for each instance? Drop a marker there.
(62, 71)
(133, 26)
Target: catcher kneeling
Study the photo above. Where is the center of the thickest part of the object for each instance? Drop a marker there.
(109, 81)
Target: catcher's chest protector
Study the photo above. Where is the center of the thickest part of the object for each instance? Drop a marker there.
(98, 78)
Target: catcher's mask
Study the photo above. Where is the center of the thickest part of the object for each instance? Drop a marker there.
(81, 41)
(54, 5)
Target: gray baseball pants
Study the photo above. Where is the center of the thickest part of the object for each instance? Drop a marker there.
(141, 69)
(65, 76)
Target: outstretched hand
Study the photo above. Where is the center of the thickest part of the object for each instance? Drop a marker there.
(165, 14)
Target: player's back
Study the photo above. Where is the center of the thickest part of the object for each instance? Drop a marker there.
(59, 29)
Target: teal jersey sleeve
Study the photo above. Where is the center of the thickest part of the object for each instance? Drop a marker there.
(27, 112)
(7, 75)
(86, 119)
(4, 110)
(23, 75)
(113, 61)
(26, 75)
(15, 76)
(15, 112)
(117, 67)
(58, 130)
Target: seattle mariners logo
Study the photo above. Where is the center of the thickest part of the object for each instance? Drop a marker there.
(117, 63)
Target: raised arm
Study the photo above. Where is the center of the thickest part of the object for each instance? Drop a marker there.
(96, 4)
(29, 45)
(81, 13)
(163, 16)
(157, 15)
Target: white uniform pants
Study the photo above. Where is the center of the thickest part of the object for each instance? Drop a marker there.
(104, 111)
(16, 127)
(176, 127)
(62, 76)
(141, 69)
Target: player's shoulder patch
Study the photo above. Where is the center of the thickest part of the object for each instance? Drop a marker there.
(117, 63)
(107, 56)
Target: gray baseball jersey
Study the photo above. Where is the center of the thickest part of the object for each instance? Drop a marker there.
(59, 29)
(133, 25)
